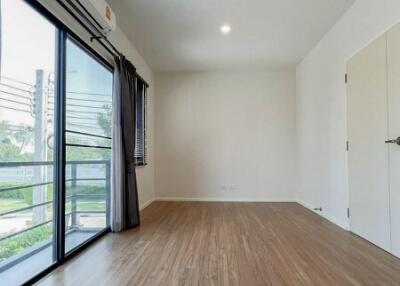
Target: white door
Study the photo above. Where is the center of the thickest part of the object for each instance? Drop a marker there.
(368, 154)
(393, 37)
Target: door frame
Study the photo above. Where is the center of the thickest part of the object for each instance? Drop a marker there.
(63, 33)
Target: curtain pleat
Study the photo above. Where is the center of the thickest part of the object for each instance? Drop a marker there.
(124, 193)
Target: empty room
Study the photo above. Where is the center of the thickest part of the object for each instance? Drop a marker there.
(209, 143)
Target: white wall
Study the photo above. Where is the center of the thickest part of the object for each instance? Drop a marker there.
(321, 105)
(145, 175)
(216, 128)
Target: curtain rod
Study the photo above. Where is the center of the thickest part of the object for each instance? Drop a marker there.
(102, 40)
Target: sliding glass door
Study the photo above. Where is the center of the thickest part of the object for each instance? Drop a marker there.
(88, 135)
(55, 143)
(28, 43)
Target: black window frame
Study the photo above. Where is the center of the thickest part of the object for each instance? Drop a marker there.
(100, 60)
(63, 33)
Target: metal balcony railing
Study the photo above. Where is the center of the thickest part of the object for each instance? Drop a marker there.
(73, 198)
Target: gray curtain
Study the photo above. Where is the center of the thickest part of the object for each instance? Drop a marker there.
(124, 194)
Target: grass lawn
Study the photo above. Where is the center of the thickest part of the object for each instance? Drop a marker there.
(15, 199)
(91, 205)
(12, 204)
(88, 205)
(19, 243)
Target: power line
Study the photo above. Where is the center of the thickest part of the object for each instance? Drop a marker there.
(84, 111)
(86, 134)
(89, 93)
(84, 120)
(17, 102)
(51, 109)
(84, 126)
(83, 106)
(88, 100)
(16, 88)
(79, 117)
(16, 95)
(16, 80)
(21, 126)
(80, 99)
(51, 102)
(86, 93)
(80, 111)
(16, 109)
(16, 129)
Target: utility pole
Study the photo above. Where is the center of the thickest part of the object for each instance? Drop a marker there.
(39, 195)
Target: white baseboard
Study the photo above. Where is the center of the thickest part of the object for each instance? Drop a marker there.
(344, 225)
(210, 199)
(146, 204)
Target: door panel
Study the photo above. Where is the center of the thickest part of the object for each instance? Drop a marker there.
(27, 67)
(368, 155)
(394, 132)
(88, 146)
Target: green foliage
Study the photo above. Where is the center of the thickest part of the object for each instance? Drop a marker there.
(19, 243)
(22, 194)
(81, 154)
(86, 189)
(11, 204)
(23, 136)
(4, 132)
(104, 120)
(93, 205)
(10, 152)
(12, 142)
(26, 194)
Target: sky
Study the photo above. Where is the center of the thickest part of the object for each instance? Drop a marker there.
(28, 44)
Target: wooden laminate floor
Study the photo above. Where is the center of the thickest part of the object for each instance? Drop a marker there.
(197, 243)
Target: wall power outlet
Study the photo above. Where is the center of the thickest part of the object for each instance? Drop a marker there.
(228, 187)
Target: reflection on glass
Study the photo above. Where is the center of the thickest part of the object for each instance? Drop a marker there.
(88, 131)
(26, 151)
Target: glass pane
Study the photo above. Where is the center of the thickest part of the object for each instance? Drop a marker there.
(26, 150)
(88, 123)
(77, 138)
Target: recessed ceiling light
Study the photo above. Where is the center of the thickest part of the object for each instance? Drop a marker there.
(225, 29)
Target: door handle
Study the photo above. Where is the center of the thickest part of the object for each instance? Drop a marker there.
(395, 141)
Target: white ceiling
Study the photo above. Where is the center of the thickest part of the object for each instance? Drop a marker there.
(182, 35)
